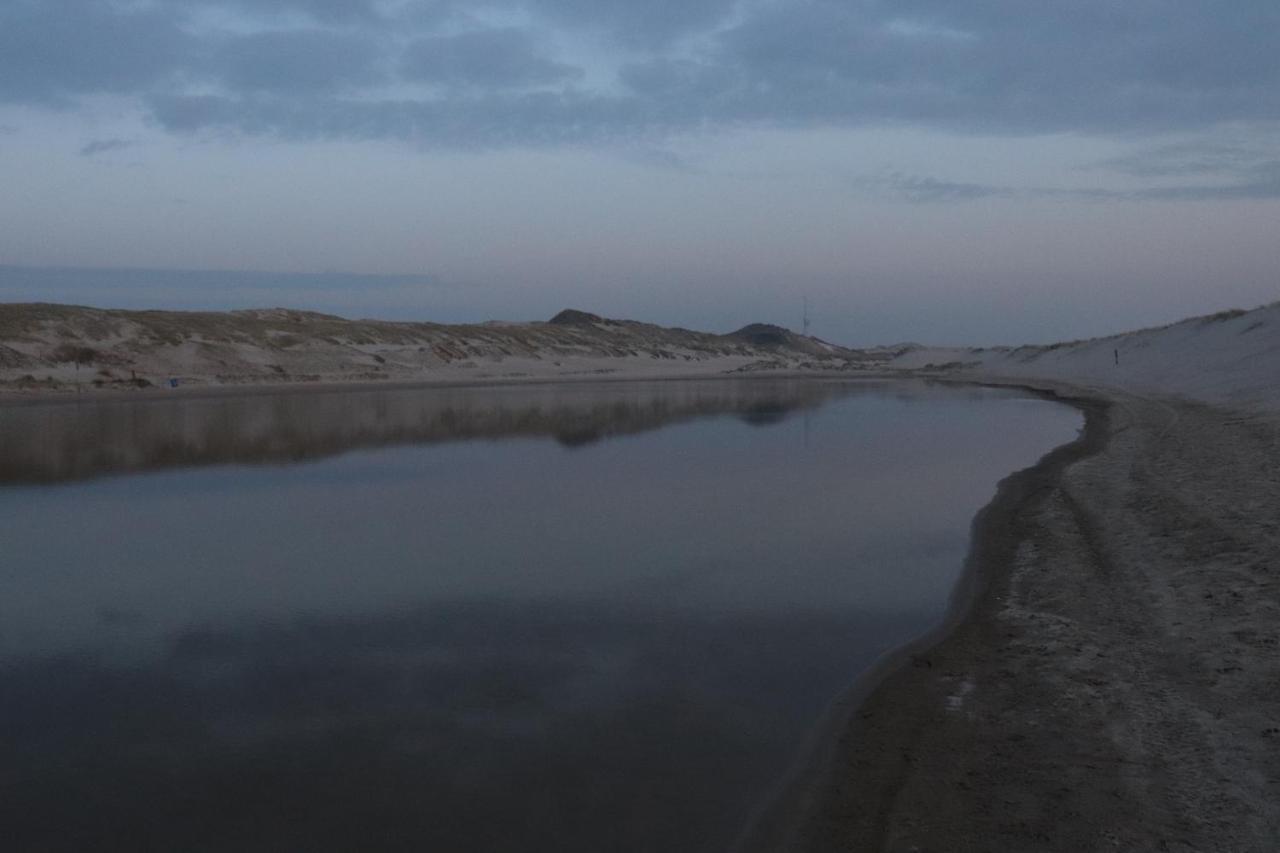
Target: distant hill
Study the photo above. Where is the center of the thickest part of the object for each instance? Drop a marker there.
(777, 339)
(48, 346)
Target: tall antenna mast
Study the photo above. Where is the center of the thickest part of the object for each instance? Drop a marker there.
(806, 315)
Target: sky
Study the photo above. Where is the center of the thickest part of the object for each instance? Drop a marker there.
(945, 171)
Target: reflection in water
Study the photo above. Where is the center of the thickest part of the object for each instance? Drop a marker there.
(66, 441)
(467, 646)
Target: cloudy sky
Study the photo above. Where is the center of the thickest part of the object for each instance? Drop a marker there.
(942, 170)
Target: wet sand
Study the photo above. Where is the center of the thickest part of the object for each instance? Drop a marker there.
(1107, 679)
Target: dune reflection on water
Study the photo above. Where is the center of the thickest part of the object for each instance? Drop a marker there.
(69, 440)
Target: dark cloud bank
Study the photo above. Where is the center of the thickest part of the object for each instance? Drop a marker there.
(449, 74)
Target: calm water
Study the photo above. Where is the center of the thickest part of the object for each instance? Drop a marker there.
(573, 618)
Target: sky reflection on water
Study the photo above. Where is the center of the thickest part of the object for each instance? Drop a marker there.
(445, 631)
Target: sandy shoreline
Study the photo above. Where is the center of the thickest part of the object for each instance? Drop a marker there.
(1106, 678)
(10, 397)
(801, 817)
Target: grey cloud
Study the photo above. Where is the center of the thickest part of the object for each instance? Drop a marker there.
(660, 158)
(324, 11)
(102, 146)
(54, 50)
(493, 58)
(1191, 158)
(921, 189)
(990, 66)
(637, 22)
(330, 10)
(683, 81)
(1245, 167)
(1059, 65)
(837, 43)
(1260, 183)
(485, 121)
(296, 61)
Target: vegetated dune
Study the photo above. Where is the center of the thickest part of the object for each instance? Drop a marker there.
(1230, 358)
(62, 346)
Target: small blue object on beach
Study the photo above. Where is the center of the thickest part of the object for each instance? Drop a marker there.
(173, 383)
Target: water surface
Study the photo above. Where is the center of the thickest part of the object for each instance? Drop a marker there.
(580, 617)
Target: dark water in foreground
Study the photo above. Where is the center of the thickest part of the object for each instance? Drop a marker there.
(573, 618)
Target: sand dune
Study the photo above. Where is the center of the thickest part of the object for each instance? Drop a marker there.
(68, 348)
(1231, 358)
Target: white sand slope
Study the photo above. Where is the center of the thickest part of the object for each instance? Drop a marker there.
(1231, 358)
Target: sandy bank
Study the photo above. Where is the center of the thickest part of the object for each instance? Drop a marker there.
(50, 349)
(1108, 681)
(1230, 359)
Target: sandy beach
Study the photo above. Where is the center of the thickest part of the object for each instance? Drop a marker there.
(1106, 681)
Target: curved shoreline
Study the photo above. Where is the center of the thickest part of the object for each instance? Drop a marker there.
(1106, 679)
(795, 820)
